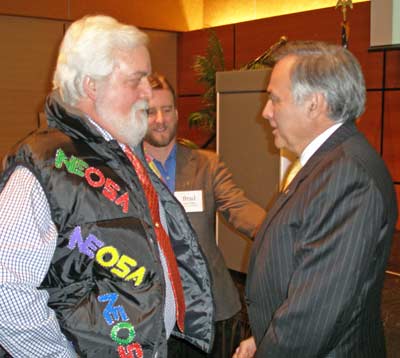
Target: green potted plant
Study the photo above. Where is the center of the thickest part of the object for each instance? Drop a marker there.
(205, 68)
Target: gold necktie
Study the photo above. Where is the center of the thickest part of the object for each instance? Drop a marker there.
(290, 174)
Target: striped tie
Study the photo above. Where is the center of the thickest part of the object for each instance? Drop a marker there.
(162, 237)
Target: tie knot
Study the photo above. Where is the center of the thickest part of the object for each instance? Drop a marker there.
(291, 173)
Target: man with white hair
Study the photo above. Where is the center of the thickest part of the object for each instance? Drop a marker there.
(97, 258)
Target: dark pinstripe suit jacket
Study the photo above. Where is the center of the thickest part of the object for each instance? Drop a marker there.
(317, 265)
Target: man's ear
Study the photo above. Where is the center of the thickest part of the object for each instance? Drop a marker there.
(89, 86)
(316, 105)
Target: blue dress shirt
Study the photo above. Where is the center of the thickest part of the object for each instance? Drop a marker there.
(168, 170)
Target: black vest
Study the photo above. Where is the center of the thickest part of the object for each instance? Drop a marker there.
(105, 280)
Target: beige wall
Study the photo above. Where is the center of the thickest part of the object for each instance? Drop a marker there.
(223, 12)
(176, 15)
(29, 50)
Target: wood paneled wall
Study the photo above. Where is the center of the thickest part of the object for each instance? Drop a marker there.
(29, 52)
(170, 15)
(245, 41)
(51, 9)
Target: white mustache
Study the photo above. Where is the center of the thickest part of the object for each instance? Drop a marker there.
(140, 108)
(141, 105)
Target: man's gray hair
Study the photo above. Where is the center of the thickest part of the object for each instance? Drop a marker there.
(88, 49)
(330, 70)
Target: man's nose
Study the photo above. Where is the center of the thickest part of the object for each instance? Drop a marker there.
(159, 118)
(267, 111)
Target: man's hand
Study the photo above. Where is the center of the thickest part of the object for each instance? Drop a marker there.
(246, 349)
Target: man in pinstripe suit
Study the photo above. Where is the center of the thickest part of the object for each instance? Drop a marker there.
(318, 262)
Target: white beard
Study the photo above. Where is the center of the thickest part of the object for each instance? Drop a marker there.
(129, 129)
(139, 122)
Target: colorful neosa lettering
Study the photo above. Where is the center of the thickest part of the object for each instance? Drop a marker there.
(113, 313)
(122, 266)
(94, 177)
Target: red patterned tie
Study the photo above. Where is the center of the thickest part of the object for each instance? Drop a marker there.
(162, 237)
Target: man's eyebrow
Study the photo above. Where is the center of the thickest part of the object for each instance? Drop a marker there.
(138, 74)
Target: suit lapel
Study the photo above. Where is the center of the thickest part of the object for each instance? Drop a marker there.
(185, 168)
(338, 137)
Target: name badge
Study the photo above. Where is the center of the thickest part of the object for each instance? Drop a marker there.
(191, 200)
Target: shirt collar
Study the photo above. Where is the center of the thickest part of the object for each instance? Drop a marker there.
(105, 134)
(171, 155)
(316, 143)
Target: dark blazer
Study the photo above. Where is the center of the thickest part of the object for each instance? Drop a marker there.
(202, 170)
(317, 265)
